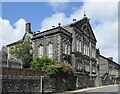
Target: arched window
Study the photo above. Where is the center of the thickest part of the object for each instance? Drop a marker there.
(50, 50)
(84, 28)
(66, 47)
(40, 50)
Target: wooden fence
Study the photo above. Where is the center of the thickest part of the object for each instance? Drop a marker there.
(21, 72)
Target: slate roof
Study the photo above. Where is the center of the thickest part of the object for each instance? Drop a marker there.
(67, 28)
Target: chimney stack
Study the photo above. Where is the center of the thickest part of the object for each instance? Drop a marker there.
(28, 27)
(111, 58)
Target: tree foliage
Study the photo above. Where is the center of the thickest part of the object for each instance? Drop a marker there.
(50, 66)
(43, 64)
(21, 51)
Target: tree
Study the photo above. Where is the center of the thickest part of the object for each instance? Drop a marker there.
(22, 52)
(43, 64)
(50, 67)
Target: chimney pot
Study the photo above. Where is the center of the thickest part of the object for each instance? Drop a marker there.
(74, 19)
(53, 26)
(111, 58)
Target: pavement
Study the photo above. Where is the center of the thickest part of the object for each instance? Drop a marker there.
(103, 89)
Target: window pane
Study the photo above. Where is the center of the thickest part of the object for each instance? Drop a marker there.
(65, 48)
(50, 50)
(79, 46)
(40, 51)
(69, 50)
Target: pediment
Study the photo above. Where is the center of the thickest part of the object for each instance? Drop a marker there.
(84, 26)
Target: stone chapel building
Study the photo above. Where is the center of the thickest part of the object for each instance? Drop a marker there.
(73, 44)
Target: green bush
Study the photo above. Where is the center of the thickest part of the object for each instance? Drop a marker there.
(50, 66)
(43, 64)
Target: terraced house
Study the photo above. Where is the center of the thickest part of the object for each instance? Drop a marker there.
(109, 70)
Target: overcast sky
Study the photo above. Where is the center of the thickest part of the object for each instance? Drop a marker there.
(43, 15)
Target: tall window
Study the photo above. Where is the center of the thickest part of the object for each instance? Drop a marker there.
(63, 47)
(93, 68)
(40, 50)
(79, 66)
(93, 52)
(88, 50)
(84, 48)
(87, 67)
(50, 50)
(78, 45)
(66, 48)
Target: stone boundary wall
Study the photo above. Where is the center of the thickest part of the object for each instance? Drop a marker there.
(26, 84)
(29, 82)
(20, 84)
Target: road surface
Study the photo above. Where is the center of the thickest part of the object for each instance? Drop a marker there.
(111, 89)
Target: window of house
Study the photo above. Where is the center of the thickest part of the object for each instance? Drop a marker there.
(87, 67)
(68, 49)
(84, 48)
(77, 45)
(88, 51)
(40, 50)
(93, 51)
(80, 66)
(94, 68)
(50, 50)
(80, 46)
(63, 47)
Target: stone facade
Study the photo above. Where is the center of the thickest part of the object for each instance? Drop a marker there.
(3, 57)
(73, 44)
(109, 70)
(27, 37)
(12, 60)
